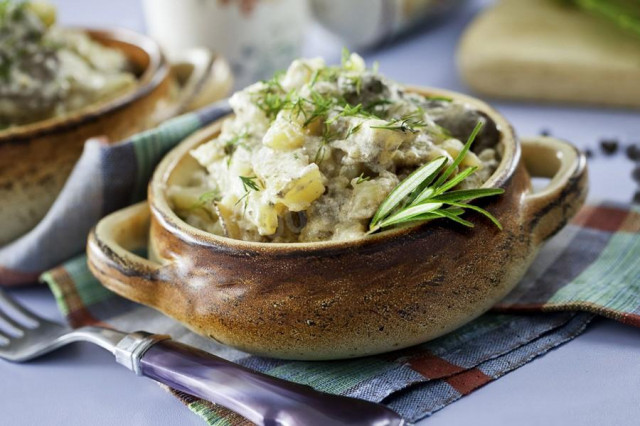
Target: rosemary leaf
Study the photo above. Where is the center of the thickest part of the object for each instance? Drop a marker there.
(460, 156)
(409, 213)
(467, 194)
(406, 187)
(449, 215)
(479, 210)
(418, 198)
(454, 181)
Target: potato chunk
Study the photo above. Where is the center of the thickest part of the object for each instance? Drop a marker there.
(454, 146)
(263, 213)
(304, 190)
(284, 135)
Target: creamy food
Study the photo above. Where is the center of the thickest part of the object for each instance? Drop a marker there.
(47, 71)
(311, 154)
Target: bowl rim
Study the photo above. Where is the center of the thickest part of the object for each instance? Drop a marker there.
(152, 76)
(170, 221)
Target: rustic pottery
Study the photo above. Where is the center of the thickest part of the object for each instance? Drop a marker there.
(36, 159)
(332, 300)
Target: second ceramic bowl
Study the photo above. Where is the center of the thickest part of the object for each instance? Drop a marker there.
(36, 159)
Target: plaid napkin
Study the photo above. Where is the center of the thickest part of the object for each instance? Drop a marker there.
(106, 178)
(589, 268)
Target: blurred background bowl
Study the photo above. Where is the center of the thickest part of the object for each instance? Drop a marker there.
(36, 159)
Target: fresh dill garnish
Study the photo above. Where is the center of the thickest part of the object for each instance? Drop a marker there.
(327, 135)
(409, 123)
(272, 98)
(426, 194)
(320, 153)
(321, 106)
(347, 110)
(232, 144)
(314, 77)
(271, 103)
(362, 178)
(405, 126)
(249, 183)
(352, 130)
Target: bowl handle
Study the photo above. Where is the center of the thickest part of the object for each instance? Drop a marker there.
(202, 77)
(111, 259)
(548, 210)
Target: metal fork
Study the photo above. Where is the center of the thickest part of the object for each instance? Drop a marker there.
(263, 399)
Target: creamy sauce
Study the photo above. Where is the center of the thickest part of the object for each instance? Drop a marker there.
(47, 71)
(311, 154)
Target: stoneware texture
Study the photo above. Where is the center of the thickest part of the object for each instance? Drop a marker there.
(333, 300)
(36, 159)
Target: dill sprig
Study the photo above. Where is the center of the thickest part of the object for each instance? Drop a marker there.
(410, 122)
(426, 194)
(232, 144)
(321, 106)
(248, 184)
(352, 130)
(362, 178)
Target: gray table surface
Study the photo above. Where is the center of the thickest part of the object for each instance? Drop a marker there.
(593, 380)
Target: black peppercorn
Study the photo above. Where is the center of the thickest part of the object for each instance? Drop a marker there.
(545, 132)
(636, 197)
(588, 153)
(609, 146)
(636, 174)
(633, 152)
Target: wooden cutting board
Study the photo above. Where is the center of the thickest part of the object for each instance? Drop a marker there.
(542, 50)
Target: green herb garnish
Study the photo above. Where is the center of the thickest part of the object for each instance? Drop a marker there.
(232, 144)
(248, 184)
(362, 178)
(407, 123)
(352, 130)
(425, 194)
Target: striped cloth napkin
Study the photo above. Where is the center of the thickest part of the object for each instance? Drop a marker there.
(589, 268)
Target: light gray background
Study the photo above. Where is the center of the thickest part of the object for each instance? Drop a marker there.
(593, 380)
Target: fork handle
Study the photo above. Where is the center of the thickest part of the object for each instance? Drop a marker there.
(262, 399)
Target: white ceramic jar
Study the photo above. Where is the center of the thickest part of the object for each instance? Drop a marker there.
(366, 23)
(257, 37)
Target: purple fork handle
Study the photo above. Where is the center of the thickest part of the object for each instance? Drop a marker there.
(263, 399)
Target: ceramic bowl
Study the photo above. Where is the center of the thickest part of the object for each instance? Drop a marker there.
(331, 300)
(36, 159)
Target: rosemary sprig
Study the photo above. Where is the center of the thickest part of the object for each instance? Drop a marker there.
(425, 194)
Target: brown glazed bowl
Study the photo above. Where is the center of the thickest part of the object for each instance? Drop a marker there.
(36, 159)
(332, 300)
